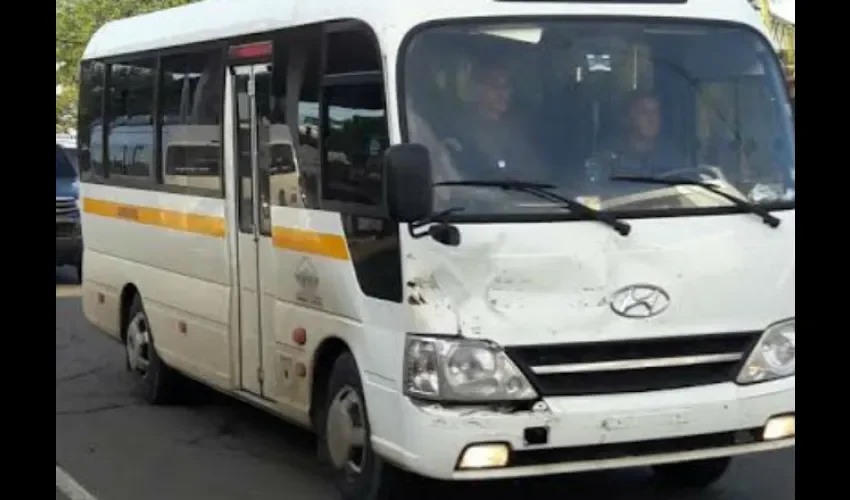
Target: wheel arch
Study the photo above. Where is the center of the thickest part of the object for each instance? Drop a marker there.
(328, 351)
(128, 293)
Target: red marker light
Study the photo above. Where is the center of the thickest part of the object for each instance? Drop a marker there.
(299, 336)
(251, 50)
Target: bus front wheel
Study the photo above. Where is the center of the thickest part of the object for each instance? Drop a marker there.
(344, 444)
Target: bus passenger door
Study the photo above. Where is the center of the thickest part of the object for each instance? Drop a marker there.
(252, 212)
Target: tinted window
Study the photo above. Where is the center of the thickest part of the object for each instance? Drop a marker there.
(277, 156)
(308, 125)
(354, 136)
(130, 110)
(90, 132)
(355, 140)
(192, 105)
(244, 156)
(352, 52)
(64, 168)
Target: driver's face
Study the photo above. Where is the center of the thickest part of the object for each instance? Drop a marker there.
(646, 117)
(494, 93)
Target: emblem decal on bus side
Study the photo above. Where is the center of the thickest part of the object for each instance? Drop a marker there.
(307, 279)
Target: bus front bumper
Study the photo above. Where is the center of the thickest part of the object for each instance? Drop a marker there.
(593, 432)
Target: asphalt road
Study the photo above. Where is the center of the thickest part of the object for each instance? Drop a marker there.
(119, 449)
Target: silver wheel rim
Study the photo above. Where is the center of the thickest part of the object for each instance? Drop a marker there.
(138, 344)
(346, 432)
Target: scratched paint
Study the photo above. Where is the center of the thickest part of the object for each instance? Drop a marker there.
(478, 288)
(551, 283)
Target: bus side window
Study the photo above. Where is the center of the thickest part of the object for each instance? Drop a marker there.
(354, 135)
(90, 133)
(354, 132)
(302, 111)
(190, 136)
(129, 113)
(279, 181)
(354, 143)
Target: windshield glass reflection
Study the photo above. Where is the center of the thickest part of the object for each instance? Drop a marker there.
(573, 103)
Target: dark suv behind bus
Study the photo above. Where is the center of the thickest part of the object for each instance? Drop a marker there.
(69, 240)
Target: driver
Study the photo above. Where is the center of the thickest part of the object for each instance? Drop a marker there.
(641, 151)
(494, 143)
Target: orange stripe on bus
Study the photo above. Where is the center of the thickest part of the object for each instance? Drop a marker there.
(321, 244)
(297, 240)
(206, 225)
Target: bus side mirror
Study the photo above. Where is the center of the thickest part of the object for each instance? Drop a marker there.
(407, 170)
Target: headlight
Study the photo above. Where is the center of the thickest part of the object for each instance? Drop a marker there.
(773, 357)
(461, 370)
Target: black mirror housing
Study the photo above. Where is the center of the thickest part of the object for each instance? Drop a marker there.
(409, 182)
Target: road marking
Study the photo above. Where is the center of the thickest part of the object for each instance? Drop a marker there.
(71, 488)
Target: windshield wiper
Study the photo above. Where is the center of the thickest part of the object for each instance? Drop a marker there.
(542, 191)
(765, 215)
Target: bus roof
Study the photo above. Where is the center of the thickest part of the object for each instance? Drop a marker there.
(209, 20)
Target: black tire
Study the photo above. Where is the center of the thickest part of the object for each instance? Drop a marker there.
(696, 475)
(79, 267)
(376, 480)
(158, 384)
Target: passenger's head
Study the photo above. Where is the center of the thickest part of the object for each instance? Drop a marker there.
(492, 84)
(643, 112)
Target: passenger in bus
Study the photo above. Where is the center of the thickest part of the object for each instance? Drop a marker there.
(641, 150)
(493, 142)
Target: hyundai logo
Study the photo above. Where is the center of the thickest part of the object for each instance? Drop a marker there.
(639, 301)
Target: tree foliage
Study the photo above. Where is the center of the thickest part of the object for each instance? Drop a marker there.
(76, 22)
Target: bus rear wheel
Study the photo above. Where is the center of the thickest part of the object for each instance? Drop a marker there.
(344, 439)
(158, 383)
(698, 474)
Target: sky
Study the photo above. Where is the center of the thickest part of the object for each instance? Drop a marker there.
(785, 9)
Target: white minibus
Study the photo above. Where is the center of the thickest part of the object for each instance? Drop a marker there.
(458, 239)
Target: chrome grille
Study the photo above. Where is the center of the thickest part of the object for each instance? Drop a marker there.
(66, 207)
(633, 366)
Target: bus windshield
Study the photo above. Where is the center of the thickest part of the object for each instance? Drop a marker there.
(584, 104)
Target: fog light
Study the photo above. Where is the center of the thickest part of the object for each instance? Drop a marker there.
(483, 456)
(779, 428)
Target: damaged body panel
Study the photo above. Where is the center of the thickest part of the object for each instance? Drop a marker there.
(632, 345)
(553, 283)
